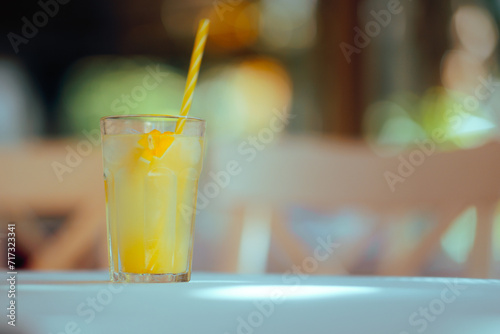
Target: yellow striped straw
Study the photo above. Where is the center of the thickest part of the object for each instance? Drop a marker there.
(194, 67)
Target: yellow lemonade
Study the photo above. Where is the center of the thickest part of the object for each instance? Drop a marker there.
(151, 183)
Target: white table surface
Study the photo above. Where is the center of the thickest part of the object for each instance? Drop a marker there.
(60, 302)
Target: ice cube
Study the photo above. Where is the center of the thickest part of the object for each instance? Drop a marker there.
(191, 150)
(118, 148)
(184, 152)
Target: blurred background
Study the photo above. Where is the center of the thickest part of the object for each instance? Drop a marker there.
(389, 148)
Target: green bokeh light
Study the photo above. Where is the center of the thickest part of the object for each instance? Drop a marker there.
(105, 85)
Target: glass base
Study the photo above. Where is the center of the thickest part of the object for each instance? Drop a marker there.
(149, 278)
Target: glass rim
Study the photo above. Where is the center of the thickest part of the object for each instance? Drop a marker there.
(158, 116)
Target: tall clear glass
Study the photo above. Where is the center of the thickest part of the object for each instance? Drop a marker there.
(151, 181)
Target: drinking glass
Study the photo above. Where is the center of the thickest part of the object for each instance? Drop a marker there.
(151, 180)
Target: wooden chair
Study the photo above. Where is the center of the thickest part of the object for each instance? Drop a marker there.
(326, 175)
(317, 173)
(30, 188)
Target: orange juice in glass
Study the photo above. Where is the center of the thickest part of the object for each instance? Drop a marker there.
(151, 179)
